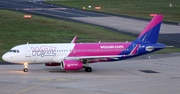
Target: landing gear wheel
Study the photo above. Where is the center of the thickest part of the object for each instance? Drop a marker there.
(25, 70)
(25, 67)
(88, 69)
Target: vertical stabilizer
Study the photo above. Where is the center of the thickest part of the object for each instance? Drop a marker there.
(151, 32)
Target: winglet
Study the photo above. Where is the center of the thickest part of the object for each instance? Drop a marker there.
(74, 39)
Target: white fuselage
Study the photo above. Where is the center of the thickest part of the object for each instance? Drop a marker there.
(38, 53)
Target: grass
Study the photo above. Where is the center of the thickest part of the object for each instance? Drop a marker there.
(16, 30)
(167, 50)
(137, 8)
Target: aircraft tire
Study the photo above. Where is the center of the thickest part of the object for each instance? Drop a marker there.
(25, 70)
(88, 69)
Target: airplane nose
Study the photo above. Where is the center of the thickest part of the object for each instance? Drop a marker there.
(6, 57)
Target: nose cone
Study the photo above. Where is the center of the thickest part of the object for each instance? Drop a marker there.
(6, 57)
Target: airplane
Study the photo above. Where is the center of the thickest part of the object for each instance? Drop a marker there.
(75, 56)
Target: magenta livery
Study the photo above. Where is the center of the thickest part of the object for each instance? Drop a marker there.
(75, 56)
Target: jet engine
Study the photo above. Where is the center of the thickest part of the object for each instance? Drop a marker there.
(71, 65)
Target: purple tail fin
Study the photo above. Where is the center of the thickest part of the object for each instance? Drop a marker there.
(151, 32)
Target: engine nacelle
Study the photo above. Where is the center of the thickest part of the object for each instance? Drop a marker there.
(71, 65)
(52, 64)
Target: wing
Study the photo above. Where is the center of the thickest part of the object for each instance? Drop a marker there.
(95, 57)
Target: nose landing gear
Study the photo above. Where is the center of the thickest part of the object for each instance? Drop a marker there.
(25, 67)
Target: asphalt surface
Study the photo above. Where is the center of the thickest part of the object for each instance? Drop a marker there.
(156, 75)
(169, 34)
(148, 74)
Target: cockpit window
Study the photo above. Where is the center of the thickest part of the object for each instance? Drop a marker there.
(10, 50)
(14, 51)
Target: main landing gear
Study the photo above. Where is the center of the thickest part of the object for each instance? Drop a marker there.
(88, 69)
(86, 65)
(25, 67)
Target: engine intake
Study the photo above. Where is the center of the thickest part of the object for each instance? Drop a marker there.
(71, 65)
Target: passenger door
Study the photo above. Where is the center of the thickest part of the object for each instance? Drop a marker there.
(27, 51)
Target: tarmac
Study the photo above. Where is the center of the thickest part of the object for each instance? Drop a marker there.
(157, 74)
(148, 74)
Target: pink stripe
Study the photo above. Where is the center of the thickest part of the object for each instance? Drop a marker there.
(98, 49)
(156, 20)
(135, 49)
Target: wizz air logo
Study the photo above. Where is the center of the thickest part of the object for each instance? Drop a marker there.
(43, 51)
